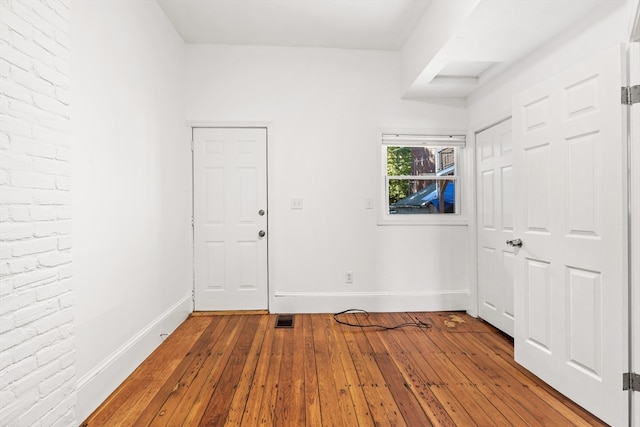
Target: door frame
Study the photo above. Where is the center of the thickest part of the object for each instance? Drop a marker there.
(633, 226)
(221, 124)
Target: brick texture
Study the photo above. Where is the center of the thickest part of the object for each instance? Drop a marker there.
(37, 369)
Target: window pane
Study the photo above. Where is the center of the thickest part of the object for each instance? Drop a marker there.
(399, 161)
(421, 196)
(446, 161)
(420, 161)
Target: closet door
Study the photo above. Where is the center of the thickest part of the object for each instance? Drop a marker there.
(494, 180)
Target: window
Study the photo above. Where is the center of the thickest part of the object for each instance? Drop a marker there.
(421, 181)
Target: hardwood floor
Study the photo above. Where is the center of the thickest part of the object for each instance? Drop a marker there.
(240, 370)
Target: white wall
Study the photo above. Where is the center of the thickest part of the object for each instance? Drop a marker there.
(131, 189)
(324, 107)
(37, 360)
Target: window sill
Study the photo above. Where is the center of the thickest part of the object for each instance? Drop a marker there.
(392, 220)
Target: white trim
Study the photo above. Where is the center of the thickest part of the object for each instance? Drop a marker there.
(398, 139)
(635, 25)
(483, 128)
(333, 302)
(633, 248)
(439, 220)
(369, 294)
(420, 131)
(97, 384)
(227, 124)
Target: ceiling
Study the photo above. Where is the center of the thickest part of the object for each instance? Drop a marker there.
(345, 24)
(486, 38)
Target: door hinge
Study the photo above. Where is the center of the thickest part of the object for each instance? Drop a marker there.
(192, 221)
(630, 95)
(631, 381)
(192, 145)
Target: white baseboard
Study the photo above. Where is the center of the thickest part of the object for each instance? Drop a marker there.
(318, 302)
(94, 387)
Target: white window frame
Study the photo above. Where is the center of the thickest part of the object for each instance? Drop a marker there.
(421, 139)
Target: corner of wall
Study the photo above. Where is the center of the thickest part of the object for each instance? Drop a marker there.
(95, 386)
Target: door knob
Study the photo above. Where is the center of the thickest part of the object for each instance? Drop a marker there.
(261, 212)
(262, 233)
(516, 243)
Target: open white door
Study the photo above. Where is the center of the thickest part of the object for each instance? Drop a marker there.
(230, 218)
(494, 178)
(570, 212)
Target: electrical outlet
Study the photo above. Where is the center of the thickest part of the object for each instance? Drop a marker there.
(348, 277)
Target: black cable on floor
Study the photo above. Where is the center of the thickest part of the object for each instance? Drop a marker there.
(416, 324)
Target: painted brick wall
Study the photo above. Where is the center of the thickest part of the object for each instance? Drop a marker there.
(37, 359)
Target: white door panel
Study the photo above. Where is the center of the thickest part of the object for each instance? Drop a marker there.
(495, 226)
(570, 324)
(229, 191)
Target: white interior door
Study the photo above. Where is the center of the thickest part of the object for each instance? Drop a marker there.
(570, 212)
(230, 218)
(494, 178)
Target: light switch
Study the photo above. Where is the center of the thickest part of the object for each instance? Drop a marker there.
(368, 203)
(296, 203)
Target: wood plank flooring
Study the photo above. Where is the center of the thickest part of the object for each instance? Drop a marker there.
(239, 370)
